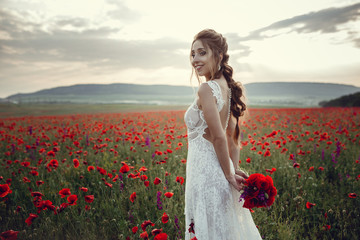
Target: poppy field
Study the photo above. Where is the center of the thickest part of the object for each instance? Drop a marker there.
(122, 175)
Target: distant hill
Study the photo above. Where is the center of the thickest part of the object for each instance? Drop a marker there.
(299, 89)
(352, 100)
(274, 93)
(295, 93)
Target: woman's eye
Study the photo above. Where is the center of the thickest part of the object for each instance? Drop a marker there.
(202, 53)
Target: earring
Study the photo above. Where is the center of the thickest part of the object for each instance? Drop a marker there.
(219, 68)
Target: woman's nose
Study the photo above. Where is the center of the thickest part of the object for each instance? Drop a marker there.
(195, 59)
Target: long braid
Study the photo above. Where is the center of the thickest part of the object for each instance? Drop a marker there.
(238, 107)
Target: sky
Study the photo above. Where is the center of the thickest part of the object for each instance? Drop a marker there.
(51, 43)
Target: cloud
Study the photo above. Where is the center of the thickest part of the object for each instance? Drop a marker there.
(323, 21)
(29, 42)
(122, 12)
(74, 22)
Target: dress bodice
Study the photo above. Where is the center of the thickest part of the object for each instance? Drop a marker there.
(194, 117)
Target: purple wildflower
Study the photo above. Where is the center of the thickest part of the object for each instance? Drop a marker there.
(87, 140)
(30, 130)
(159, 203)
(147, 141)
(338, 148)
(333, 158)
(177, 227)
(131, 217)
(340, 177)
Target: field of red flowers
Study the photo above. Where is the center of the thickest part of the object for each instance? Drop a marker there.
(122, 176)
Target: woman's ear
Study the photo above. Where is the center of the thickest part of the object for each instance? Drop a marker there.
(221, 56)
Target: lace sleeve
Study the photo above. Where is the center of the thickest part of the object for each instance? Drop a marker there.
(216, 90)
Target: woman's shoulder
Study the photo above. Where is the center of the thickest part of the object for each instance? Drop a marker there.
(205, 88)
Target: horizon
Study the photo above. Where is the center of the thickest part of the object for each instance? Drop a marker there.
(170, 85)
(46, 43)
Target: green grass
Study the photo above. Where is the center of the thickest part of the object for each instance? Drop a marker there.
(106, 140)
(19, 110)
(38, 109)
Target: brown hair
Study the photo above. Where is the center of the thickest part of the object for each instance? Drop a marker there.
(218, 45)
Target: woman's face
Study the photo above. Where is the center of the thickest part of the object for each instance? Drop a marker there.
(201, 59)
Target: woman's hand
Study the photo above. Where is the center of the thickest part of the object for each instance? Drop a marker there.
(241, 173)
(236, 181)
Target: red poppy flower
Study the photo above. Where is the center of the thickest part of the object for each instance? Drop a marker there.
(133, 196)
(296, 165)
(90, 168)
(326, 227)
(36, 194)
(25, 179)
(165, 218)
(38, 183)
(267, 153)
(311, 169)
(146, 183)
(9, 235)
(144, 235)
(72, 199)
(84, 189)
(34, 173)
(309, 205)
(125, 168)
(248, 160)
(180, 180)
(4, 190)
(156, 231)
(283, 150)
(101, 170)
(89, 198)
(30, 219)
(271, 171)
(76, 163)
(51, 153)
(134, 229)
(143, 169)
(64, 192)
(168, 194)
(352, 195)
(161, 236)
(146, 223)
(157, 181)
(53, 163)
(143, 177)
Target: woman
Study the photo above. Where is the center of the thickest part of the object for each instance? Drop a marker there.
(213, 182)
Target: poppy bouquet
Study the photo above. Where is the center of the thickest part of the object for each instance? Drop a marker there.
(259, 191)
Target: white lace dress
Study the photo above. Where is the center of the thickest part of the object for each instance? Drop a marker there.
(211, 203)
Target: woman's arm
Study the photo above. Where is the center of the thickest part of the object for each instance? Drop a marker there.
(234, 148)
(218, 137)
